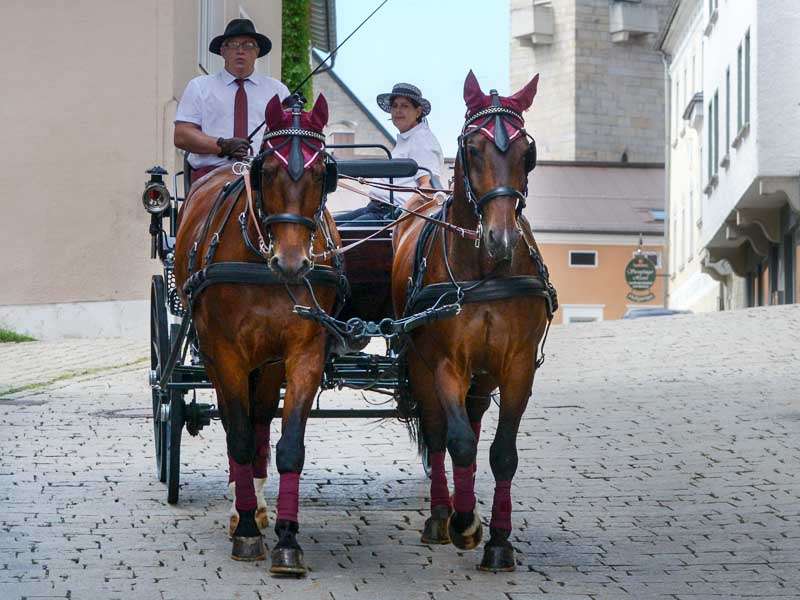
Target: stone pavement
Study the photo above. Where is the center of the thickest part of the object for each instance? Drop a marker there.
(29, 364)
(658, 459)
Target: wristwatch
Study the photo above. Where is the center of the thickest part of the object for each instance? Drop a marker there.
(219, 143)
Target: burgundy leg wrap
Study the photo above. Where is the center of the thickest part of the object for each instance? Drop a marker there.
(476, 428)
(262, 451)
(501, 506)
(464, 486)
(242, 476)
(440, 495)
(289, 497)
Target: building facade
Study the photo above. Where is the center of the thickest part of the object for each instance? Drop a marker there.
(89, 98)
(601, 92)
(690, 287)
(598, 121)
(590, 220)
(748, 223)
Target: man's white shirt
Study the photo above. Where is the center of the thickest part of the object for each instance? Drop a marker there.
(420, 144)
(208, 102)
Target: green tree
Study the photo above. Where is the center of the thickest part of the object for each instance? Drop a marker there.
(296, 57)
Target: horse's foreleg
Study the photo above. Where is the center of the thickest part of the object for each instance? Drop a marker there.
(303, 375)
(232, 387)
(477, 402)
(498, 553)
(464, 526)
(265, 399)
(433, 429)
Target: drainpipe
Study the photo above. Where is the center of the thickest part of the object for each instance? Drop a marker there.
(666, 58)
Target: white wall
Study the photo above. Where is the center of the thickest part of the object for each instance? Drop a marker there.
(735, 17)
(776, 90)
(690, 288)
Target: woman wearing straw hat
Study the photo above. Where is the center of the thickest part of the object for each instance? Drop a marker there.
(414, 140)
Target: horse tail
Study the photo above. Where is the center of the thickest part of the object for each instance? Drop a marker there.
(408, 409)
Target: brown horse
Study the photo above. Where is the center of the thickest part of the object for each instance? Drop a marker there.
(250, 340)
(455, 364)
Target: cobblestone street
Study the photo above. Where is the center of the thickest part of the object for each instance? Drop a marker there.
(658, 459)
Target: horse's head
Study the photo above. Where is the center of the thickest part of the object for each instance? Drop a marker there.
(290, 174)
(494, 159)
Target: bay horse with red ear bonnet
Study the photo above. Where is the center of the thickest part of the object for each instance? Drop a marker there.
(242, 280)
(507, 305)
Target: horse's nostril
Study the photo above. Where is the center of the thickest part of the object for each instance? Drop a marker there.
(273, 263)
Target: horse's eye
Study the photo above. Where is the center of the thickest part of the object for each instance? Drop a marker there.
(474, 152)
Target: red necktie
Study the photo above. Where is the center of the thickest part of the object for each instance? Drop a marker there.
(240, 111)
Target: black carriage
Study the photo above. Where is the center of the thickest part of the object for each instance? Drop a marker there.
(176, 373)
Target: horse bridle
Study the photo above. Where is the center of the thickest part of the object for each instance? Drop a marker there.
(499, 114)
(296, 137)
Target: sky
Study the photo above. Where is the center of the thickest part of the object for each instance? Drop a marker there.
(432, 44)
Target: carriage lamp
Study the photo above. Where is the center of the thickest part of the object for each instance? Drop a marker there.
(156, 197)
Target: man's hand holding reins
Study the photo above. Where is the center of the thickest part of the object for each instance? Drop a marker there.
(234, 147)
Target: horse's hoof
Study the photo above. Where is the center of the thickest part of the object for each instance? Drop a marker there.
(248, 548)
(470, 537)
(262, 518)
(233, 523)
(498, 559)
(287, 561)
(435, 531)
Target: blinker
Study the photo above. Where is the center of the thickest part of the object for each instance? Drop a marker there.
(500, 134)
(295, 162)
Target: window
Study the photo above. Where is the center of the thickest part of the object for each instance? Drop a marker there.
(713, 136)
(727, 110)
(710, 128)
(686, 88)
(673, 242)
(678, 110)
(582, 313)
(747, 77)
(716, 131)
(212, 22)
(582, 258)
(690, 226)
(739, 89)
(683, 238)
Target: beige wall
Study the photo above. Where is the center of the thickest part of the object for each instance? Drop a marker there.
(601, 285)
(89, 94)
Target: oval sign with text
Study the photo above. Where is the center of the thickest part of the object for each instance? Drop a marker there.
(640, 274)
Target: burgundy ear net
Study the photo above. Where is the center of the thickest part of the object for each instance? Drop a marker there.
(273, 114)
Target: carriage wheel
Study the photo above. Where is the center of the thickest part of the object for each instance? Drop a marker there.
(159, 351)
(172, 458)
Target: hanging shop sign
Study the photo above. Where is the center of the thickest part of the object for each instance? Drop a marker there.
(640, 275)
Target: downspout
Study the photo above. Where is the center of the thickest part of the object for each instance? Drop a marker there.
(667, 154)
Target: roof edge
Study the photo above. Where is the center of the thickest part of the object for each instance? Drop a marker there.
(662, 37)
(600, 164)
(635, 231)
